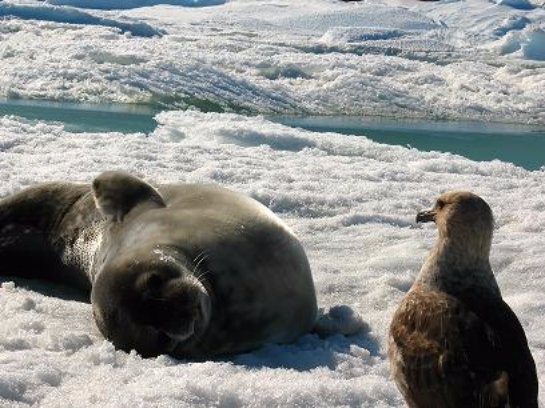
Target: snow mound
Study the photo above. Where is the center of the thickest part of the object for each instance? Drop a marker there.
(68, 15)
(339, 319)
(529, 43)
(534, 47)
(517, 4)
(512, 23)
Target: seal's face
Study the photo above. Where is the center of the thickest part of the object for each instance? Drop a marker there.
(152, 305)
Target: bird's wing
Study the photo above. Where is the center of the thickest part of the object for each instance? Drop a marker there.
(509, 342)
(443, 355)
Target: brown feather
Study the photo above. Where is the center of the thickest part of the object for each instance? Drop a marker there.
(453, 341)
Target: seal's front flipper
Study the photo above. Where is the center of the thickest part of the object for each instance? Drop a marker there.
(116, 193)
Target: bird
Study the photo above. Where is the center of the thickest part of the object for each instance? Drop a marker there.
(453, 341)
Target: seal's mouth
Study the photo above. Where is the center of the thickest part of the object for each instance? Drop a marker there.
(170, 341)
(177, 339)
(192, 330)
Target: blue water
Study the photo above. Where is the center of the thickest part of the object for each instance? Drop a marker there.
(481, 141)
(85, 117)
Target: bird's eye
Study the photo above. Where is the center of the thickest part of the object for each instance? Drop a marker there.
(440, 204)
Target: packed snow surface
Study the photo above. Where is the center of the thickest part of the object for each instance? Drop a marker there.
(479, 59)
(351, 201)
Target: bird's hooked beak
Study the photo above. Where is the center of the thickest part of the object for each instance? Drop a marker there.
(426, 216)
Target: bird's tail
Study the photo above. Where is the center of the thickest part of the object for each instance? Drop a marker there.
(496, 393)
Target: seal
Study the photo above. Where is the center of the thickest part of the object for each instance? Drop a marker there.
(193, 271)
(453, 341)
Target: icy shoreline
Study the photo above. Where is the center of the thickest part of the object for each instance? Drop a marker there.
(447, 60)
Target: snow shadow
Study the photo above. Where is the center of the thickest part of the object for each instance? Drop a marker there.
(283, 141)
(130, 4)
(359, 219)
(516, 4)
(311, 352)
(70, 15)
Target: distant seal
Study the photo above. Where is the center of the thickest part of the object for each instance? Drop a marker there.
(188, 270)
(453, 341)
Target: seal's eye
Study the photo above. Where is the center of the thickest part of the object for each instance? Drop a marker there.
(150, 286)
(440, 204)
(154, 281)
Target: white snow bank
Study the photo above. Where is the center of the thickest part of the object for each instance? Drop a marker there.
(68, 15)
(129, 4)
(351, 201)
(401, 59)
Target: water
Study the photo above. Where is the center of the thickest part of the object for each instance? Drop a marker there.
(480, 141)
(85, 117)
(518, 144)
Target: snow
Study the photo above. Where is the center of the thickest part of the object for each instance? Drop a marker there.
(68, 15)
(473, 60)
(518, 4)
(535, 45)
(351, 201)
(129, 4)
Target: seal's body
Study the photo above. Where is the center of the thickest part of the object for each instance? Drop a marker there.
(189, 270)
(453, 341)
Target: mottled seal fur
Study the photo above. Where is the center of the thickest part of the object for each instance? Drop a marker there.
(453, 341)
(189, 270)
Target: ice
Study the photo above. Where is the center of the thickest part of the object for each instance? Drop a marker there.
(129, 4)
(8, 285)
(351, 201)
(534, 48)
(366, 15)
(518, 4)
(473, 60)
(68, 15)
(511, 23)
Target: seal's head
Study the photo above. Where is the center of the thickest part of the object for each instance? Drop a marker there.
(464, 220)
(151, 304)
